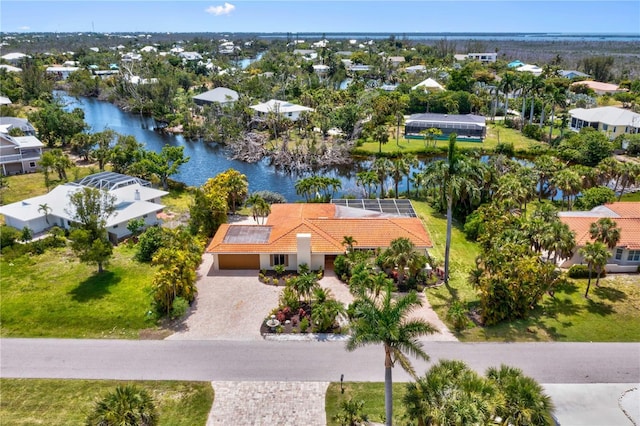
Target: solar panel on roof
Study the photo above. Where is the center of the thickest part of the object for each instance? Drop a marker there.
(397, 207)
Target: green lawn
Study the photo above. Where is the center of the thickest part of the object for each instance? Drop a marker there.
(54, 295)
(68, 402)
(495, 132)
(373, 396)
(611, 314)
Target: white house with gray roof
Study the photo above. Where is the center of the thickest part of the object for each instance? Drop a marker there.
(220, 95)
(134, 198)
(284, 108)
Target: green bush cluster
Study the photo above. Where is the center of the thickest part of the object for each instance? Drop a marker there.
(582, 271)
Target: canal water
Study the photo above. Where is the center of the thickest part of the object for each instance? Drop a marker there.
(206, 159)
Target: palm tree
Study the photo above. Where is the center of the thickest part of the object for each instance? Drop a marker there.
(606, 231)
(367, 179)
(451, 393)
(556, 96)
(525, 402)
(325, 310)
(348, 241)
(595, 255)
(386, 321)
(46, 209)
(431, 134)
(400, 167)
(456, 176)
(569, 182)
(506, 84)
(382, 166)
(127, 405)
(400, 254)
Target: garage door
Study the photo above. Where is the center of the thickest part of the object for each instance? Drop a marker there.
(239, 261)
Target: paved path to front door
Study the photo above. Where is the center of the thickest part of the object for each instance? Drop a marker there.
(231, 305)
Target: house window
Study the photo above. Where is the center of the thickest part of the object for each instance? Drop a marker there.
(605, 127)
(32, 164)
(634, 255)
(619, 254)
(144, 216)
(279, 259)
(115, 226)
(290, 114)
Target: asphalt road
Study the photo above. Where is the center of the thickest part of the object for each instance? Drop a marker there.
(302, 361)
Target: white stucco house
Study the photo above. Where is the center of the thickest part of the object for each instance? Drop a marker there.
(611, 120)
(284, 108)
(134, 198)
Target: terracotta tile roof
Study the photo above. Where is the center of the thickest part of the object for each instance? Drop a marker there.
(628, 209)
(327, 232)
(625, 214)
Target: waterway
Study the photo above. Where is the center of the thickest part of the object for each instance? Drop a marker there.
(206, 159)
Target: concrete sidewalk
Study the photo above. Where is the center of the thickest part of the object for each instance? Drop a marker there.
(595, 404)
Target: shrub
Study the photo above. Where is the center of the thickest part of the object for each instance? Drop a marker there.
(457, 314)
(271, 197)
(505, 148)
(341, 266)
(533, 131)
(26, 234)
(8, 236)
(179, 307)
(304, 324)
(150, 241)
(582, 271)
(279, 269)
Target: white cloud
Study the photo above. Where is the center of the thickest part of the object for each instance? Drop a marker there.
(225, 9)
(24, 28)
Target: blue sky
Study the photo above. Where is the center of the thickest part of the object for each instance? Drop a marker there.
(574, 16)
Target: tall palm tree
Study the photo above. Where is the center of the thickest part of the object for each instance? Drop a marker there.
(569, 182)
(506, 85)
(368, 180)
(127, 405)
(556, 96)
(537, 84)
(525, 402)
(595, 255)
(385, 321)
(455, 176)
(630, 176)
(400, 167)
(382, 166)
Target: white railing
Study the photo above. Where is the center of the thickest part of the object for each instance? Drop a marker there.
(12, 158)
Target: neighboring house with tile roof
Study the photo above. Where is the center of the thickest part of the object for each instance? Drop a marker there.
(626, 255)
(611, 120)
(309, 233)
(599, 87)
(134, 198)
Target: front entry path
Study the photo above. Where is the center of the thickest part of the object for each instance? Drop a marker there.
(268, 403)
(231, 305)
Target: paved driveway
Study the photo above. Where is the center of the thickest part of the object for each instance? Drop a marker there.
(231, 305)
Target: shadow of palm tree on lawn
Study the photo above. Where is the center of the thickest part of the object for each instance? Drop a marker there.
(94, 287)
(610, 294)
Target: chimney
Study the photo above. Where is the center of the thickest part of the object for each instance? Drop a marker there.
(304, 249)
(136, 195)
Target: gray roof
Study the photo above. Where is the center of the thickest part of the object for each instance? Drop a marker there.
(19, 123)
(610, 115)
(219, 94)
(448, 118)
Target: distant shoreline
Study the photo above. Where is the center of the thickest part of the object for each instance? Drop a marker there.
(517, 36)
